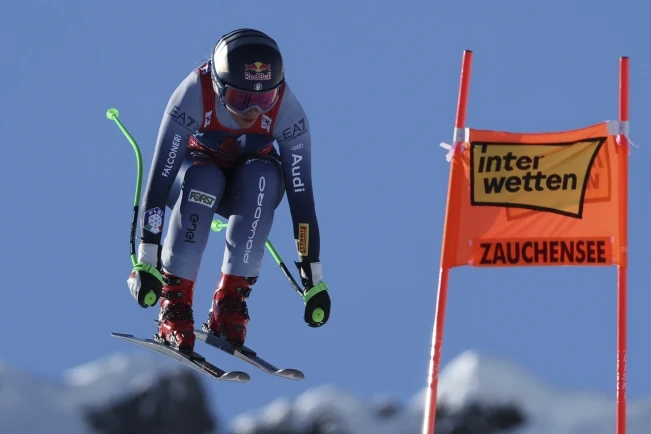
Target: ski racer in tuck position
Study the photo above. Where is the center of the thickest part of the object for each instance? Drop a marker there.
(215, 154)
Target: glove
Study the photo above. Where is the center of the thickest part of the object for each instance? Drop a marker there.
(145, 281)
(316, 297)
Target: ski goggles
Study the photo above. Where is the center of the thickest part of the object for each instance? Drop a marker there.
(241, 101)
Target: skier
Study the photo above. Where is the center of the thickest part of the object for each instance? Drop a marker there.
(215, 154)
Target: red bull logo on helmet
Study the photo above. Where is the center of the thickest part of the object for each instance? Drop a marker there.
(257, 71)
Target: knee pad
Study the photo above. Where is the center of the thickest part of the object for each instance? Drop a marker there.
(272, 171)
(189, 169)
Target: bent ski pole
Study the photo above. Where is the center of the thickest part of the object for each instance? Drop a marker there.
(113, 114)
(218, 225)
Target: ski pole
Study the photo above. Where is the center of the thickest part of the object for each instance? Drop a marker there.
(112, 114)
(317, 314)
(217, 225)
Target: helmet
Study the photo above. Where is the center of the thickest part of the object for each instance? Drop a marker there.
(247, 70)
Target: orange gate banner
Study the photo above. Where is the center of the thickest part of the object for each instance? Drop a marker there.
(535, 199)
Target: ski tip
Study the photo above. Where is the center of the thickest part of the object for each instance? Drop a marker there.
(238, 376)
(121, 335)
(292, 374)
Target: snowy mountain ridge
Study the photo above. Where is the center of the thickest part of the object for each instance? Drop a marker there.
(58, 403)
(473, 378)
(469, 379)
(466, 380)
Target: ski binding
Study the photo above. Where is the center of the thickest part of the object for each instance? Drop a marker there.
(246, 354)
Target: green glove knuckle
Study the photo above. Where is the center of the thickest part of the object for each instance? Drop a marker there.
(309, 294)
(147, 268)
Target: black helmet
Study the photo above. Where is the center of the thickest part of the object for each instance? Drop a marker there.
(248, 60)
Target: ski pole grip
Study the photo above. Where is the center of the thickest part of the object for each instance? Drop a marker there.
(217, 225)
(112, 113)
(150, 298)
(317, 315)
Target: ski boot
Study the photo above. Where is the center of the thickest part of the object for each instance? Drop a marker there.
(176, 322)
(229, 315)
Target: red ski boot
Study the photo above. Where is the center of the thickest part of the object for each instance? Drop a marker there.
(229, 316)
(176, 322)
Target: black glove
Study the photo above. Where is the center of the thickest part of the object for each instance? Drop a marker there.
(316, 297)
(145, 281)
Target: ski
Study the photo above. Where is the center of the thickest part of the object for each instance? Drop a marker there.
(246, 354)
(193, 360)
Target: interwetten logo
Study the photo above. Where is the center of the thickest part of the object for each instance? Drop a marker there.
(544, 177)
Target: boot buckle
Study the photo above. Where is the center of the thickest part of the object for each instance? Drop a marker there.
(171, 294)
(243, 291)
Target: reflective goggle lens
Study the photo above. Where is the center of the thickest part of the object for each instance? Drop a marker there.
(241, 100)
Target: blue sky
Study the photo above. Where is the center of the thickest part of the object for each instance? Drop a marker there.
(379, 81)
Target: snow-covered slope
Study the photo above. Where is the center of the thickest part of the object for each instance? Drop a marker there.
(467, 380)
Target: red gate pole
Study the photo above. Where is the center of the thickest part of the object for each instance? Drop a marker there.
(441, 301)
(622, 268)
